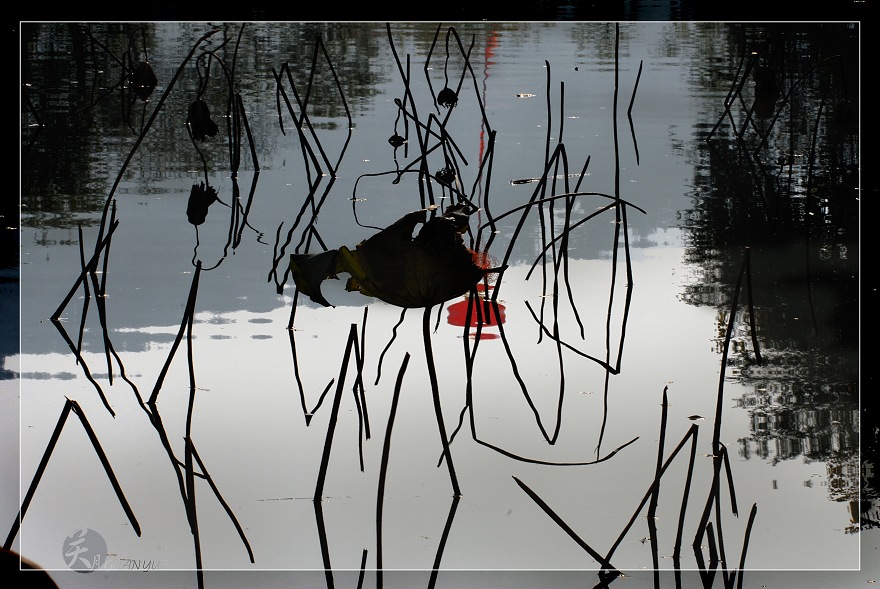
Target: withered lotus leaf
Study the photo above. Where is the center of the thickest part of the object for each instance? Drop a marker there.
(310, 270)
(397, 268)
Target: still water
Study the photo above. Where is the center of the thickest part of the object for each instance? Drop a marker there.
(668, 213)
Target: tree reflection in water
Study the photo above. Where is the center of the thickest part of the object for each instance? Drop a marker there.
(783, 169)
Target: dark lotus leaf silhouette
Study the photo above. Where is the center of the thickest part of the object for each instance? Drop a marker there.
(200, 198)
(397, 268)
(310, 270)
(447, 98)
(199, 121)
(143, 80)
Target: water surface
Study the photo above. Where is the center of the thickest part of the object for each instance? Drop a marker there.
(555, 419)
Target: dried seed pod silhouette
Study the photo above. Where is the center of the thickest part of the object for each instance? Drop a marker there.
(199, 121)
(445, 176)
(200, 198)
(143, 80)
(447, 98)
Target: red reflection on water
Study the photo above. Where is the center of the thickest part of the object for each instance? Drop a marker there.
(487, 314)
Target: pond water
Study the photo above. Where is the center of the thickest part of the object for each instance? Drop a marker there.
(666, 374)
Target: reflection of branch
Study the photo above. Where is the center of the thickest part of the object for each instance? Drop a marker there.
(744, 273)
(655, 491)
(325, 457)
(555, 337)
(469, 359)
(325, 546)
(504, 452)
(87, 293)
(569, 204)
(629, 112)
(714, 500)
(86, 270)
(692, 432)
(468, 408)
(809, 215)
(308, 413)
(552, 163)
(223, 503)
(156, 422)
(533, 202)
(303, 105)
(676, 551)
(187, 318)
(100, 294)
(707, 572)
(629, 284)
(186, 478)
(383, 469)
(604, 561)
(93, 438)
(742, 560)
(516, 375)
(388, 345)
(334, 414)
(81, 361)
(408, 98)
(149, 123)
(310, 160)
(621, 222)
(360, 399)
(241, 219)
(441, 545)
(435, 394)
(190, 506)
(526, 395)
(101, 299)
(715, 540)
(735, 89)
(186, 475)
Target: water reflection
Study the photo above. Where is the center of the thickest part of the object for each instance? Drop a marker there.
(782, 178)
(562, 316)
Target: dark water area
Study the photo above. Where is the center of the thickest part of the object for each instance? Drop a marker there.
(531, 10)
